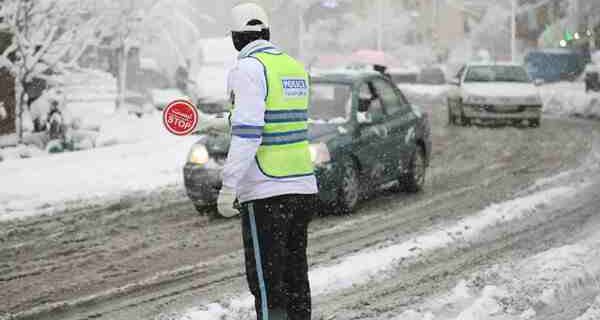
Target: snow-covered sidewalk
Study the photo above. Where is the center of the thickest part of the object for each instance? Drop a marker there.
(139, 156)
(570, 99)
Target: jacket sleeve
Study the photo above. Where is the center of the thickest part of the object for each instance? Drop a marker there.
(248, 84)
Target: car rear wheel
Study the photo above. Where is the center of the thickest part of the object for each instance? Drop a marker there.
(464, 121)
(349, 191)
(451, 116)
(534, 123)
(414, 179)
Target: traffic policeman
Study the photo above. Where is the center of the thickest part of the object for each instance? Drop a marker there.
(268, 169)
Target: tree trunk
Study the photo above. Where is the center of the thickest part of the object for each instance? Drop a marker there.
(122, 81)
(19, 108)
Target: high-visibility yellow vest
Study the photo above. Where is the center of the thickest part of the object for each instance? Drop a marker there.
(284, 151)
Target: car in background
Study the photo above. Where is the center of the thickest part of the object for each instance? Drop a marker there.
(432, 75)
(210, 68)
(362, 131)
(551, 65)
(484, 91)
(404, 75)
(137, 103)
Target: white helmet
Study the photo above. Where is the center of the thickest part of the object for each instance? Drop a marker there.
(246, 12)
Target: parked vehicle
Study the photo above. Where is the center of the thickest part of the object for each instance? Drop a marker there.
(137, 103)
(363, 133)
(210, 68)
(556, 64)
(493, 92)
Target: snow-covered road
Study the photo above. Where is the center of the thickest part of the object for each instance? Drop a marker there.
(487, 203)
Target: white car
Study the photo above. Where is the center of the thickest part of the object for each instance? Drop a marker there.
(494, 91)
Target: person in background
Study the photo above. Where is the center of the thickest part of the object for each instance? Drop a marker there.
(268, 169)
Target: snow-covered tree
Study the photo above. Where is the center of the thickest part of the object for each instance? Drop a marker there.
(46, 35)
(132, 23)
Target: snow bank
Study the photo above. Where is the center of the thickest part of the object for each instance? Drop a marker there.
(570, 99)
(376, 264)
(593, 312)
(514, 291)
(43, 184)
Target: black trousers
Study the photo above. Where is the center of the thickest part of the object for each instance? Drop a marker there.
(274, 231)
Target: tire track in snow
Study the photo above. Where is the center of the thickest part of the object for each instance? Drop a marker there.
(377, 264)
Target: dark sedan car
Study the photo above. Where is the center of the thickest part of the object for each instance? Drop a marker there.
(363, 134)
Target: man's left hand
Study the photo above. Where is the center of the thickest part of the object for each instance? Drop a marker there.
(225, 202)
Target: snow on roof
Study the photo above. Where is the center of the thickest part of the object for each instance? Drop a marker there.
(494, 63)
(343, 72)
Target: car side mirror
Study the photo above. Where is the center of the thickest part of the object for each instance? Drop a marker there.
(363, 104)
(539, 82)
(454, 82)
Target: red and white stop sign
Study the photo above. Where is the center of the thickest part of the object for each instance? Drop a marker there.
(180, 117)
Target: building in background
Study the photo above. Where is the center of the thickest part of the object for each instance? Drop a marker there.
(444, 23)
(536, 18)
(559, 23)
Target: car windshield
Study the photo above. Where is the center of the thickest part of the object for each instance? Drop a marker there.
(330, 102)
(496, 74)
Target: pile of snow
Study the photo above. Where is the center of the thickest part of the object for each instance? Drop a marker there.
(132, 155)
(45, 184)
(570, 99)
(515, 291)
(8, 140)
(593, 312)
(375, 264)
(20, 151)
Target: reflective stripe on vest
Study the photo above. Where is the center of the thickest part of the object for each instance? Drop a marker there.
(284, 150)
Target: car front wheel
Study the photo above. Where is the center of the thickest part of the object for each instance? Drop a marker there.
(349, 191)
(414, 179)
(534, 123)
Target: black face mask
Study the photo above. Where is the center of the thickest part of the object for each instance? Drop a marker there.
(243, 38)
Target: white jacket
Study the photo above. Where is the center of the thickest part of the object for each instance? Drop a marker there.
(248, 84)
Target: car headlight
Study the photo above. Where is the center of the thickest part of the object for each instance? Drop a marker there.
(475, 99)
(319, 154)
(198, 155)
